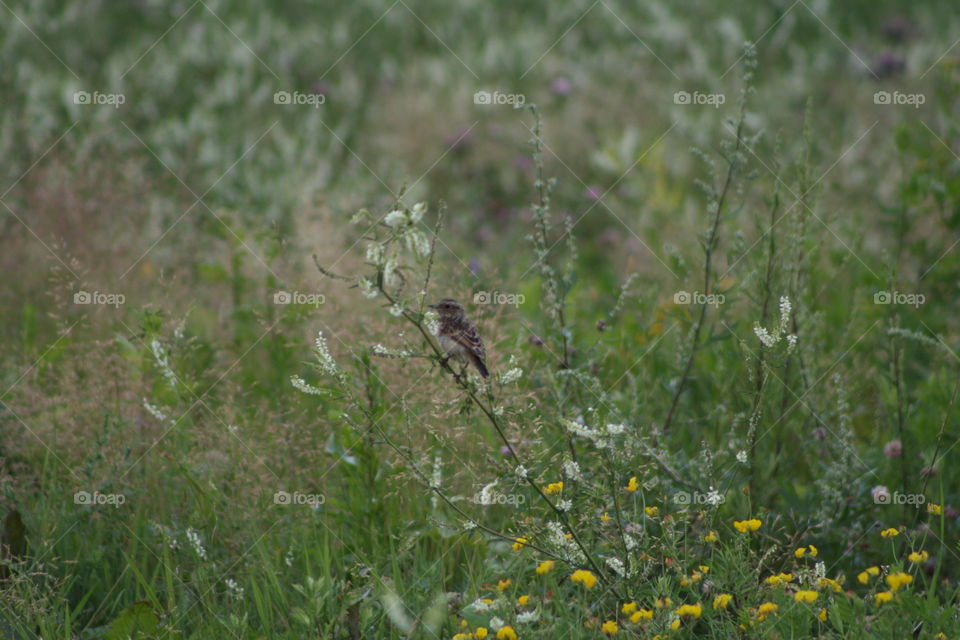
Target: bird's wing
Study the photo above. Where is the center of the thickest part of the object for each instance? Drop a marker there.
(468, 337)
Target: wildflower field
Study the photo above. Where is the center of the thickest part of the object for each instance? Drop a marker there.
(710, 250)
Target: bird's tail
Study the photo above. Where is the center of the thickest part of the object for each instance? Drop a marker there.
(479, 364)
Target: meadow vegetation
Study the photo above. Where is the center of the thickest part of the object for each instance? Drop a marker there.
(711, 250)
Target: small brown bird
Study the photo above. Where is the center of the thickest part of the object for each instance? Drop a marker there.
(458, 336)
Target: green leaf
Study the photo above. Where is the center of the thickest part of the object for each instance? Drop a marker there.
(136, 621)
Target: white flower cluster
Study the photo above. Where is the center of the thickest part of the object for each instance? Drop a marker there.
(437, 476)
(486, 495)
(375, 253)
(384, 352)
(572, 470)
(404, 221)
(600, 437)
(526, 617)
(770, 339)
(160, 355)
(521, 472)
(367, 288)
(480, 606)
(558, 539)
(194, 538)
(511, 376)
(714, 497)
(155, 411)
(327, 364)
(234, 590)
(432, 321)
(616, 565)
(303, 386)
(391, 277)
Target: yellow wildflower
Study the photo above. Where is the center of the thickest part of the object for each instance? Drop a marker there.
(586, 578)
(605, 517)
(633, 485)
(628, 608)
(934, 509)
(522, 600)
(554, 487)
(675, 624)
(462, 636)
(918, 557)
(822, 616)
(805, 595)
(711, 537)
(545, 567)
(889, 533)
(829, 582)
(744, 526)
(691, 610)
(722, 600)
(610, 628)
(641, 614)
(651, 511)
(897, 580)
(779, 579)
(663, 603)
(518, 543)
(506, 633)
(480, 633)
(802, 551)
(883, 596)
(767, 608)
(503, 584)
